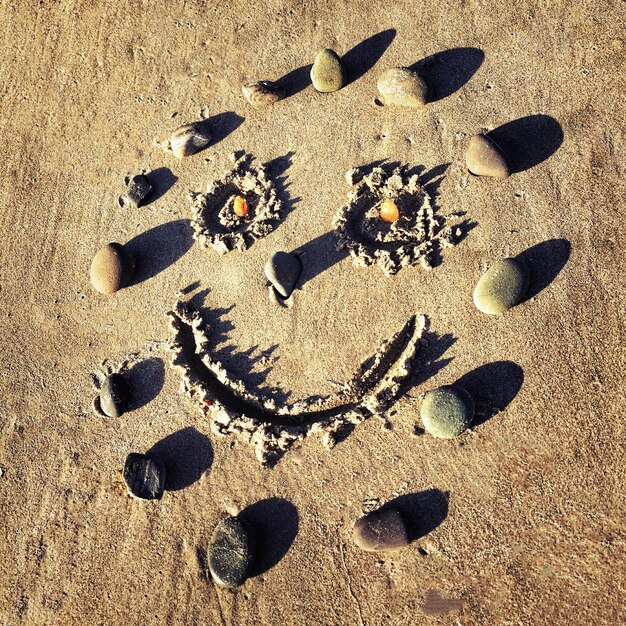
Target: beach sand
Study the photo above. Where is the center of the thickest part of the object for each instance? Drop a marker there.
(520, 520)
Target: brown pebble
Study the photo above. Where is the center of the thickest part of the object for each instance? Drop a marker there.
(189, 139)
(111, 268)
(240, 206)
(484, 158)
(389, 211)
(380, 530)
(263, 93)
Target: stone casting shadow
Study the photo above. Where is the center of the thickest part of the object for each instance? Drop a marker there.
(447, 71)
(275, 524)
(145, 381)
(493, 387)
(544, 261)
(528, 141)
(159, 247)
(186, 454)
(362, 58)
(162, 180)
(422, 511)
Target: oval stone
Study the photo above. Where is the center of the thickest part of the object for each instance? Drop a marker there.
(501, 287)
(231, 552)
(283, 271)
(447, 411)
(114, 395)
(327, 73)
(384, 529)
(144, 476)
(484, 158)
(111, 268)
(401, 86)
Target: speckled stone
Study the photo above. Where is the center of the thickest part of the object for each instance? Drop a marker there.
(401, 86)
(501, 287)
(114, 394)
(327, 73)
(138, 188)
(144, 477)
(231, 552)
(112, 268)
(380, 530)
(283, 271)
(484, 158)
(447, 411)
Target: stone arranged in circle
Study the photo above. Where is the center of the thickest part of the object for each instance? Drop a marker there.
(484, 158)
(283, 271)
(138, 188)
(263, 93)
(189, 139)
(384, 529)
(114, 395)
(501, 287)
(389, 211)
(112, 268)
(144, 476)
(401, 86)
(447, 411)
(327, 73)
(231, 552)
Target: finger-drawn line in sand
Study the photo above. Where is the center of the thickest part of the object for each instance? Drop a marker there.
(272, 428)
(215, 222)
(417, 236)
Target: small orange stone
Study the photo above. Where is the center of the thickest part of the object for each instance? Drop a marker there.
(389, 211)
(240, 206)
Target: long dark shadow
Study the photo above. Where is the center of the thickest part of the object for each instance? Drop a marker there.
(159, 247)
(145, 381)
(447, 71)
(295, 81)
(318, 255)
(222, 125)
(362, 58)
(186, 454)
(492, 387)
(528, 141)
(544, 260)
(428, 360)
(162, 179)
(422, 511)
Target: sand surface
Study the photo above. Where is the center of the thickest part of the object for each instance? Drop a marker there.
(520, 521)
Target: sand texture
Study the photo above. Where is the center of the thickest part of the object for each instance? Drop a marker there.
(520, 520)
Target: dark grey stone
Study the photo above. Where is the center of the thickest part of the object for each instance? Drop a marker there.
(138, 188)
(283, 271)
(231, 552)
(144, 476)
(114, 395)
(384, 529)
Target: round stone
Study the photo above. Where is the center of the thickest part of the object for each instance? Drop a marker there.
(401, 86)
(501, 287)
(283, 271)
(231, 552)
(114, 395)
(111, 268)
(327, 73)
(484, 158)
(384, 529)
(447, 411)
(144, 477)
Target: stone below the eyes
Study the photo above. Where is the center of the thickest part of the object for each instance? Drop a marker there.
(231, 552)
(501, 287)
(447, 411)
(384, 529)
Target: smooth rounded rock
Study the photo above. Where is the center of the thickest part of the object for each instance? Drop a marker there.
(384, 529)
(231, 552)
(401, 86)
(327, 73)
(112, 268)
(283, 271)
(484, 158)
(189, 139)
(501, 287)
(447, 411)
(144, 476)
(114, 394)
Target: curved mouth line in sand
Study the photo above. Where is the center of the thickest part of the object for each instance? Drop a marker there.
(261, 422)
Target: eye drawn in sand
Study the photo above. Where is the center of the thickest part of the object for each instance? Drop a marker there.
(216, 219)
(417, 235)
(272, 428)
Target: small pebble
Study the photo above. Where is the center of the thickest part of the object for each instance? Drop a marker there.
(240, 206)
(283, 271)
(138, 188)
(263, 93)
(389, 211)
(327, 73)
(501, 287)
(189, 139)
(111, 268)
(380, 530)
(144, 477)
(114, 395)
(447, 411)
(231, 553)
(401, 86)
(484, 158)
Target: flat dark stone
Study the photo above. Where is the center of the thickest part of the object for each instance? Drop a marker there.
(283, 271)
(144, 476)
(114, 395)
(138, 188)
(384, 529)
(231, 552)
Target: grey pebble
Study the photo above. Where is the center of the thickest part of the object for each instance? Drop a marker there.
(114, 395)
(384, 529)
(447, 411)
(231, 552)
(144, 476)
(501, 287)
(283, 271)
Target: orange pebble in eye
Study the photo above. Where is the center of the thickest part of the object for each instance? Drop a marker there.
(389, 211)
(240, 206)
